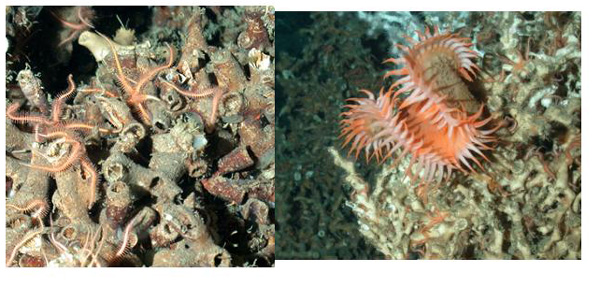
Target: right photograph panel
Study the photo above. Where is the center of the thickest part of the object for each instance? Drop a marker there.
(428, 135)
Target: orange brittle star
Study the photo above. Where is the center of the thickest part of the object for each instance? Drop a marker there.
(136, 97)
(65, 132)
(218, 95)
(522, 60)
(434, 218)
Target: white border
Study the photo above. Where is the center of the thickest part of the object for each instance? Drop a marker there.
(374, 273)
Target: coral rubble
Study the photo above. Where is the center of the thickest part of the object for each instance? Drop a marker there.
(161, 150)
(526, 203)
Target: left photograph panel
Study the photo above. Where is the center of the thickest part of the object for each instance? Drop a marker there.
(140, 136)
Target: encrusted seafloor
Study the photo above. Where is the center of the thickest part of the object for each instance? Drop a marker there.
(526, 204)
(140, 136)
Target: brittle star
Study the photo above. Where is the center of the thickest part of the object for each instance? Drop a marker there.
(136, 98)
(218, 95)
(38, 216)
(65, 131)
(77, 28)
(434, 219)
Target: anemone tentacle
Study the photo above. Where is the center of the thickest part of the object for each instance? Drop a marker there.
(440, 134)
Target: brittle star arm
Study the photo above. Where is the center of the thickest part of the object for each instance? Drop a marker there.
(126, 236)
(97, 90)
(39, 205)
(218, 95)
(120, 74)
(77, 28)
(215, 108)
(87, 251)
(146, 77)
(201, 94)
(84, 126)
(57, 105)
(30, 235)
(24, 118)
(76, 152)
(136, 98)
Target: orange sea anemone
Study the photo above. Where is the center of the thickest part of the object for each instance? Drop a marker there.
(437, 123)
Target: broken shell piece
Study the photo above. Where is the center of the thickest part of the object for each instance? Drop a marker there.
(130, 137)
(114, 171)
(31, 261)
(255, 35)
(237, 159)
(233, 105)
(256, 210)
(261, 141)
(196, 168)
(162, 234)
(186, 222)
(228, 71)
(192, 254)
(228, 189)
(188, 134)
(115, 111)
(264, 192)
(161, 118)
(173, 100)
(146, 179)
(258, 60)
(118, 203)
(169, 164)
